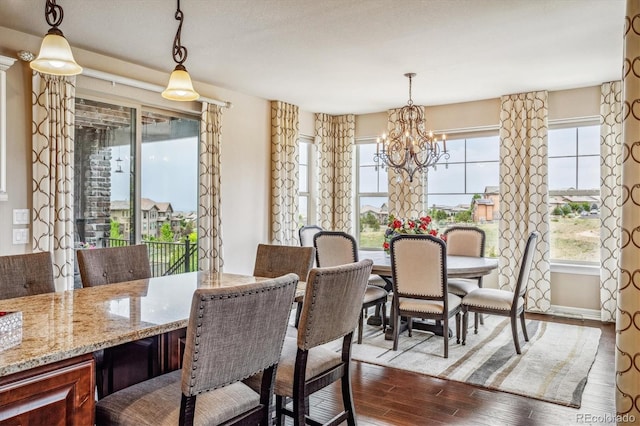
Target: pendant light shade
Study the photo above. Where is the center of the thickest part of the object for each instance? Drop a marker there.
(180, 87)
(55, 55)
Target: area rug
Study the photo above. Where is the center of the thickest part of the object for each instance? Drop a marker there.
(553, 367)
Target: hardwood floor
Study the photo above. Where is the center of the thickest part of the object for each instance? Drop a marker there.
(386, 396)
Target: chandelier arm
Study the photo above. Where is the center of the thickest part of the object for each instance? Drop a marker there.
(179, 51)
(53, 13)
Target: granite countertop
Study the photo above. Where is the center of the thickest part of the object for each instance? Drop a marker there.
(61, 325)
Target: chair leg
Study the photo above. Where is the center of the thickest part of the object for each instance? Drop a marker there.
(445, 336)
(465, 324)
(347, 397)
(360, 325)
(299, 411)
(524, 327)
(476, 317)
(396, 332)
(514, 331)
(458, 327)
(298, 313)
(383, 310)
(280, 401)
(410, 326)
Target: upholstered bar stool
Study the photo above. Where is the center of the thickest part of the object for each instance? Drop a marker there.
(26, 275)
(233, 333)
(122, 365)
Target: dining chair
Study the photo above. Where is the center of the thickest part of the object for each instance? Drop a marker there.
(276, 260)
(339, 248)
(419, 270)
(465, 241)
(26, 275)
(503, 302)
(123, 365)
(330, 311)
(233, 333)
(306, 234)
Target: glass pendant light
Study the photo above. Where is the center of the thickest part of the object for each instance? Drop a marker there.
(55, 55)
(180, 87)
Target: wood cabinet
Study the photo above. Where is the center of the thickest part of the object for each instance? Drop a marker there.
(60, 393)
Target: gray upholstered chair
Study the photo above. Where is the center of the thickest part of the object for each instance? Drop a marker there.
(233, 333)
(136, 361)
(339, 248)
(465, 241)
(503, 302)
(330, 311)
(113, 265)
(26, 275)
(306, 234)
(275, 260)
(419, 270)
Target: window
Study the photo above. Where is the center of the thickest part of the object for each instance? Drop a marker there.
(371, 197)
(304, 176)
(574, 192)
(466, 190)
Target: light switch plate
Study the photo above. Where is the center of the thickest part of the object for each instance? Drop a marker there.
(21, 236)
(20, 216)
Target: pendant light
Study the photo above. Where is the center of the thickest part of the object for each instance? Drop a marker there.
(180, 87)
(55, 55)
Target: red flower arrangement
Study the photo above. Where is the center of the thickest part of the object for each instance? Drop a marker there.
(422, 225)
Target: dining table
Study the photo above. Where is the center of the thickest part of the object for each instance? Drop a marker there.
(457, 267)
(47, 370)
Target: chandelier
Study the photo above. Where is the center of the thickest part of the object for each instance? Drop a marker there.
(409, 147)
(180, 87)
(55, 55)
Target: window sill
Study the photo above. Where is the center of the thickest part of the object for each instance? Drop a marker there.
(575, 268)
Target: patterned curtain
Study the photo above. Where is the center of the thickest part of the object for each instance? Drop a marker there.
(627, 318)
(52, 156)
(524, 193)
(210, 254)
(284, 173)
(406, 199)
(610, 182)
(334, 143)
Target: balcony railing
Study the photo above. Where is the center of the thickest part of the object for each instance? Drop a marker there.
(165, 258)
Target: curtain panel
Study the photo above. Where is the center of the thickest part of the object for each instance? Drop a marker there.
(610, 185)
(627, 317)
(334, 141)
(53, 109)
(210, 253)
(524, 194)
(284, 173)
(406, 199)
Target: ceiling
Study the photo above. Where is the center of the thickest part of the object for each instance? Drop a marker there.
(349, 56)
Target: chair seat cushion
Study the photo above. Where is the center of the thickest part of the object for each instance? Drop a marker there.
(157, 402)
(461, 287)
(428, 306)
(377, 281)
(319, 360)
(373, 293)
(491, 298)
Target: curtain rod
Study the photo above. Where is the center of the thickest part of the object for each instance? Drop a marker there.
(101, 75)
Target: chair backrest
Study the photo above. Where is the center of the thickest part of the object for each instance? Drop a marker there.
(418, 266)
(26, 275)
(274, 260)
(110, 265)
(235, 332)
(335, 248)
(465, 241)
(306, 234)
(525, 268)
(332, 303)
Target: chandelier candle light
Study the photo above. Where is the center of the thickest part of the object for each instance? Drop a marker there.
(409, 147)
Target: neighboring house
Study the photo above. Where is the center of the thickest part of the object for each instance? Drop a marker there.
(381, 213)
(154, 215)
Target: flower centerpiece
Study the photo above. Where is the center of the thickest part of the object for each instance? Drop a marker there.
(395, 226)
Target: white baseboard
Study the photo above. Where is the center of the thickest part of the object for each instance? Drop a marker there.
(570, 312)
